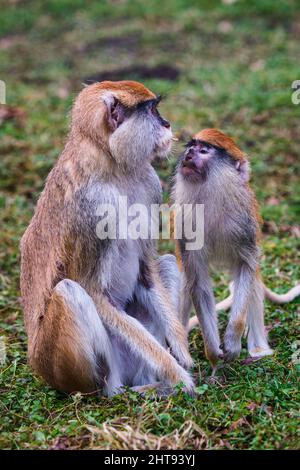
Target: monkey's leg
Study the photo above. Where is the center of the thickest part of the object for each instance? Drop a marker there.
(147, 309)
(204, 303)
(257, 338)
(185, 303)
(161, 300)
(243, 285)
(171, 278)
(73, 351)
(142, 343)
(224, 304)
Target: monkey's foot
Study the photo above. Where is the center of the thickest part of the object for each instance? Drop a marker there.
(187, 380)
(231, 350)
(261, 352)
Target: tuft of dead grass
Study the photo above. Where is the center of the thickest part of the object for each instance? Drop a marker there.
(119, 435)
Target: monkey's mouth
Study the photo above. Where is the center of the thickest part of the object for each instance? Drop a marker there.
(194, 170)
(189, 167)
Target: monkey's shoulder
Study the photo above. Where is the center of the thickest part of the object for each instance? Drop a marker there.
(145, 190)
(96, 192)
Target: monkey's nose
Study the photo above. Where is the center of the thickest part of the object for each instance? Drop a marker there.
(166, 124)
(189, 155)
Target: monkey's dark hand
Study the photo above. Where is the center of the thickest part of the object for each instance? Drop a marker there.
(231, 349)
(213, 354)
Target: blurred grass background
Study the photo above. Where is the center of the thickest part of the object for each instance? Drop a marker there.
(227, 64)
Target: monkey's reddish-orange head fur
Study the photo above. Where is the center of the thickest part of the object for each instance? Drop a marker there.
(219, 139)
(90, 107)
(130, 93)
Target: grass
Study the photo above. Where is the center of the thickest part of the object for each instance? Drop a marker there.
(237, 61)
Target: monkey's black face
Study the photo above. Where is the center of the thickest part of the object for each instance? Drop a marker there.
(150, 108)
(196, 160)
(141, 135)
(161, 128)
(201, 159)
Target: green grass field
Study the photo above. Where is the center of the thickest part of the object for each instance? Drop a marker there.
(233, 63)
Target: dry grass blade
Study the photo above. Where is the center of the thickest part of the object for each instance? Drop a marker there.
(119, 435)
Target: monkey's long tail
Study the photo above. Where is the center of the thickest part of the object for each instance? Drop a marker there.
(269, 294)
(282, 298)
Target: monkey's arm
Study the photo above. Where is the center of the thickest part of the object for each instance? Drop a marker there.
(158, 303)
(142, 343)
(157, 292)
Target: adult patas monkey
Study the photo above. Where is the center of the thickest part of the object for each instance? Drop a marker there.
(213, 171)
(100, 313)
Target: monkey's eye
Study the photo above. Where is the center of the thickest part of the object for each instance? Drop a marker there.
(154, 108)
(203, 151)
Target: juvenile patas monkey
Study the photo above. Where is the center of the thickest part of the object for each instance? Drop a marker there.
(100, 313)
(213, 171)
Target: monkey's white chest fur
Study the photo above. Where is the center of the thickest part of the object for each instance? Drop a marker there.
(125, 272)
(121, 251)
(229, 226)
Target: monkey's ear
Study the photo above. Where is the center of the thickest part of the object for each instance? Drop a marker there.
(243, 168)
(115, 112)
